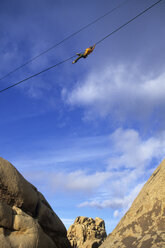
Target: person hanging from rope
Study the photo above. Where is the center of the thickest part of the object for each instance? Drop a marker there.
(85, 54)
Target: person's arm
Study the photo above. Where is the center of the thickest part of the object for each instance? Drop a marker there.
(93, 47)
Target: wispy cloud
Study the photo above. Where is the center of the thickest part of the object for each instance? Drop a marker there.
(131, 156)
(77, 181)
(120, 205)
(115, 203)
(113, 185)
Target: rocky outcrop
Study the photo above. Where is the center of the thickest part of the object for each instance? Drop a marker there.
(87, 232)
(143, 226)
(26, 218)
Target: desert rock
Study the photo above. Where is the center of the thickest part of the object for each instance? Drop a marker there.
(143, 226)
(87, 232)
(26, 218)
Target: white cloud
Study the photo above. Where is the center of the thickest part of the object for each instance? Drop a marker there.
(132, 151)
(119, 91)
(79, 180)
(116, 213)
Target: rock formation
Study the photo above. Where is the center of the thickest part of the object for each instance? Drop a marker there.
(143, 226)
(26, 218)
(87, 232)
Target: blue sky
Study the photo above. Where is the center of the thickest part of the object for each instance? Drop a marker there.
(88, 135)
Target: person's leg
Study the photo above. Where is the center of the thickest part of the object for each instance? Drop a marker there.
(79, 57)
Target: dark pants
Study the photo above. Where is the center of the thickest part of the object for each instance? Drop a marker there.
(80, 55)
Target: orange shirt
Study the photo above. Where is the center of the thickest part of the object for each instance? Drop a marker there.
(89, 50)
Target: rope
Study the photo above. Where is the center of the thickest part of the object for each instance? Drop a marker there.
(116, 30)
(68, 37)
(34, 75)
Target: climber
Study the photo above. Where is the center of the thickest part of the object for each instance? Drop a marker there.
(85, 54)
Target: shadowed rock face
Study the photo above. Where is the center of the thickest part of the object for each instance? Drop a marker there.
(26, 218)
(87, 233)
(143, 226)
